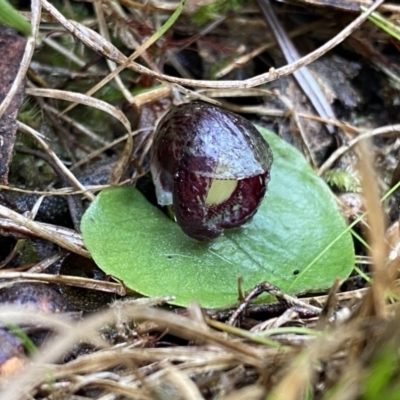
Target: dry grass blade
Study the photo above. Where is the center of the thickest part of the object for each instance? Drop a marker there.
(294, 384)
(199, 331)
(185, 387)
(110, 358)
(122, 163)
(13, 314)
(76, 281)
(68, 234)
(253, 392)
(42, 231)
(375, 303)
(295, 116)
(62, 191)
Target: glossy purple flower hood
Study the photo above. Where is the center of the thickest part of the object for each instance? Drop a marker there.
(213, 167)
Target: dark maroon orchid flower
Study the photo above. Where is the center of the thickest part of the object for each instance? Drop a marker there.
(213, 167)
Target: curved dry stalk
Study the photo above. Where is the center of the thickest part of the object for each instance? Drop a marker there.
(82, 99)
(98, 44)
(343, 149)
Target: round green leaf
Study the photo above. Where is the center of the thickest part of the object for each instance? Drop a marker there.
(297, 241)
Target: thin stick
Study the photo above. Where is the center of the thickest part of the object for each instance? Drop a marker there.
(69, 280)
(68, 174)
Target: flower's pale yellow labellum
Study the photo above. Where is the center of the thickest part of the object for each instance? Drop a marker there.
(220, 191)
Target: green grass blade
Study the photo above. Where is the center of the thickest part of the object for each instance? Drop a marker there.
(380, 21)
(11, 17)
